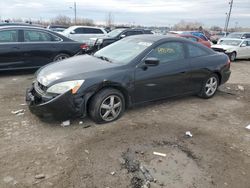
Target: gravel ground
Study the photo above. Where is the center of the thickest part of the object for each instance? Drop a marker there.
(44, 154)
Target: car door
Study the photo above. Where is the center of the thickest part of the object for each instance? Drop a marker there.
(244, 50)
(38, 47)
(170, 78)
(10, 53)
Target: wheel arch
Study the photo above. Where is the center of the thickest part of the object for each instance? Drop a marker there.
(118, 87)
(219, 76)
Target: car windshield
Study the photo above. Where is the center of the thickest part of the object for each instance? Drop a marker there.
(123, 51)
(235, 35)
(230, 42)
(115, 32)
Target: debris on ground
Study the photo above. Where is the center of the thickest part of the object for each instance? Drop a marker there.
(113, 173)
(146, 174)
(86, 151)
(18, 112)
(160, 154)
(248, 127)
(189, 134)
(86, 126)
(39, 176)
(80, 122)
(24, 104)
(65, 123)
(241, 88)
(141, 175)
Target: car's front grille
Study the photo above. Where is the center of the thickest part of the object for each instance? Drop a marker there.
(219, 50)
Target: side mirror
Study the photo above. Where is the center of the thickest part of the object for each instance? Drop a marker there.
(151, 62)
(72, 32)
(243, 45)
(122, 36)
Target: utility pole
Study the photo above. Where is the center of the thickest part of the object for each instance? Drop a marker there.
(228, 15)
(74, 8)
(75, 11)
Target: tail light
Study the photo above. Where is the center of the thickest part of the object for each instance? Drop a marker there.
(228, 63)
(84, 46)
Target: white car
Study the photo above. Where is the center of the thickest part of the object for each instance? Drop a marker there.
(84, 33)
(234, 48)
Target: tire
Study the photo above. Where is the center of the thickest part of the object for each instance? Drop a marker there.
(60, 57)
(103, 110)
(209, 87)
(232, 56)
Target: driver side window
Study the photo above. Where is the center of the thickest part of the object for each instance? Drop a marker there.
(169, 51)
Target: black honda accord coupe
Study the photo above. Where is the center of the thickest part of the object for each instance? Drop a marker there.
(132, 71)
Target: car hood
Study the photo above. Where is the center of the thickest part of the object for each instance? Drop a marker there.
(77, 67)
(224, 47)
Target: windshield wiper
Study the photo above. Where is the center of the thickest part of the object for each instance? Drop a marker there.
(104, 58)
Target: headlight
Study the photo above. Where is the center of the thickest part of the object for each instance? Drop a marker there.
(99, 41)
(65, 86)
(229, 50)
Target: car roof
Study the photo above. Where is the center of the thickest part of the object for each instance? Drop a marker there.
(77, 26)
(239, 32)
(232, 39)
(21, 26)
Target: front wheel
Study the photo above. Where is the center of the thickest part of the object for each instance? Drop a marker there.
(232, 56)
(107, 105)
(209, 87)
(60, 57)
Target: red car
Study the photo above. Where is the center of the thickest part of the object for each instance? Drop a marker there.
(197, 39)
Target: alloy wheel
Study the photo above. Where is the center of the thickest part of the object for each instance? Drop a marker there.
(111, 108)
(211, 86)
(61, 57)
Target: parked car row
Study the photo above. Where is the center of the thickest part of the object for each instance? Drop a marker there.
(125, 68)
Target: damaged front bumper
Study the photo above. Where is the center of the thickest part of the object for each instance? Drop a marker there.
(61, 107)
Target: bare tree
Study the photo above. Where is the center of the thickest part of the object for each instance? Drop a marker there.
(61, 20)
(84, 21)
(183, 25)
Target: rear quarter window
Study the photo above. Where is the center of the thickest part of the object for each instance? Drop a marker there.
(195, 51)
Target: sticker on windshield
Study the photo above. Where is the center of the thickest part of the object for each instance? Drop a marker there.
(145, 44)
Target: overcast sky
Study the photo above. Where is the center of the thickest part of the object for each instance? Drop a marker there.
(143, 12)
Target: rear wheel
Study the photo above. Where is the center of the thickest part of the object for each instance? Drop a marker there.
(60, 57)
(107, 105)
(209, 87)
(232, 56)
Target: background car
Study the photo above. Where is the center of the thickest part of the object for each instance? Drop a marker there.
(239, 35)
(197, 39)
(57, 28)
(132, 71)
(116, 35)
(23, 47)
(217, 36)
(234, 48)
(84, 33)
